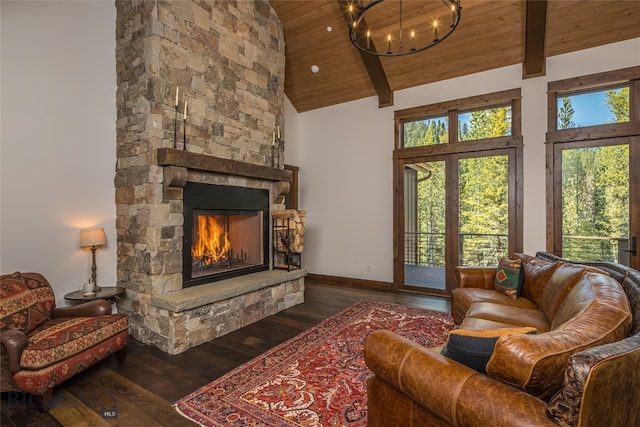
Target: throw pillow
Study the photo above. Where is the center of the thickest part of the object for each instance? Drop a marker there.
(509, 277)
(474, 348)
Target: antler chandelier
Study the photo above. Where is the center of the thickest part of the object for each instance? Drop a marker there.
(382, 30)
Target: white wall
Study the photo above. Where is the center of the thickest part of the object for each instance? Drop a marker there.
(345, 159)
(291, 134)
(58, 139)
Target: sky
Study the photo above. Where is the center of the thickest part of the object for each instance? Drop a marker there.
(590, 109)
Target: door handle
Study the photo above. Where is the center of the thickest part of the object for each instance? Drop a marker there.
(633, 249)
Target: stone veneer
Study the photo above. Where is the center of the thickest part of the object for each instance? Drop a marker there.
(227, 58)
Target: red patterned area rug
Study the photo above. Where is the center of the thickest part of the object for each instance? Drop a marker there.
(317, 378)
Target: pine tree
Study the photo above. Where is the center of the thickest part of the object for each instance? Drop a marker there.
(618, 102)
(565, 114)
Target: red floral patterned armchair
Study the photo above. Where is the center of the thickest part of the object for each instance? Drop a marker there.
(44, 345)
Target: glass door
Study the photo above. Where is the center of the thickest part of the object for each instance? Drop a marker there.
(457, 211)
(483, 217)
(599, 199)
(425, 225)
(457, 189)
(593, 154)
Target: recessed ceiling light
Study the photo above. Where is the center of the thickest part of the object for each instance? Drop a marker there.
(329, 29)
(315, 68)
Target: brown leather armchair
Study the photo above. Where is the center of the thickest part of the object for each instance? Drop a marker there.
(44, 345)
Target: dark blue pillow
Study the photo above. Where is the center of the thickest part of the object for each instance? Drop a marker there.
(474, 348)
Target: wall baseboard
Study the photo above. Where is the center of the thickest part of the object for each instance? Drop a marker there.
(350, 282)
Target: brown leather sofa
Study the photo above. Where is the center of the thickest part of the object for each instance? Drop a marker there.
(580, 369)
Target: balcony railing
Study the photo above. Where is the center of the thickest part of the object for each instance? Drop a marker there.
(590, 248)
(428, 249)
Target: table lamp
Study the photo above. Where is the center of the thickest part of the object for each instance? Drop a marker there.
(92, 238)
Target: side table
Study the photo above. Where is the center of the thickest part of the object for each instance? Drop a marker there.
(108, 293)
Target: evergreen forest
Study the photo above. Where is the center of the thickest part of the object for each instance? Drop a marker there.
(595, 192)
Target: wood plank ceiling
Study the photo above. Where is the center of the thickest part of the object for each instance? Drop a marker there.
(491, 34)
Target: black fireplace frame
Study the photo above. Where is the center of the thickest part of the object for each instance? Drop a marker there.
(199, 196)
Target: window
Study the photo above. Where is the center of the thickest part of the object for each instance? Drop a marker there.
(458, 169)
(423, 132)
(594, 192)
(484, 123)
(473, 125)
(593, 108)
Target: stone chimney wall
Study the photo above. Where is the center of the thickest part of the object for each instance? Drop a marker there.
(227, 59)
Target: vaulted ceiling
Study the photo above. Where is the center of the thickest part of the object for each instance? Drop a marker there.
(491, 34)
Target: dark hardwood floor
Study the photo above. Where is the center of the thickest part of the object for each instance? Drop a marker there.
(140, 392)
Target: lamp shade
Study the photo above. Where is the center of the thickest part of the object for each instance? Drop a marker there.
(92, 237)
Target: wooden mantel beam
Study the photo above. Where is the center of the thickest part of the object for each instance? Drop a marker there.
(536, 21)
(373, 66)
(204, 162)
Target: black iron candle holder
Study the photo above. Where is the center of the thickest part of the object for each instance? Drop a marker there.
(175, 126)
(184, 134)
(273, 155)
(278, 141)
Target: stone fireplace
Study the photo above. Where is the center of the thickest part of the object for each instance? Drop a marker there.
(226, 60)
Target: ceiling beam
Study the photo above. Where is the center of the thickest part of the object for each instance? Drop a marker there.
(536, 21)
(372, 64)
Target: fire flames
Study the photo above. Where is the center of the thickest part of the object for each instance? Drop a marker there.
(213, 243)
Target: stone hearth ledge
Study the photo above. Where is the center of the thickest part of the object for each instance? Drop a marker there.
(197, 296)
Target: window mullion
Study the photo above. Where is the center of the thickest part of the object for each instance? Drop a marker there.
(453, 126)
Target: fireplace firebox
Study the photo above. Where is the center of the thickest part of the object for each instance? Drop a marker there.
(226, 232)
